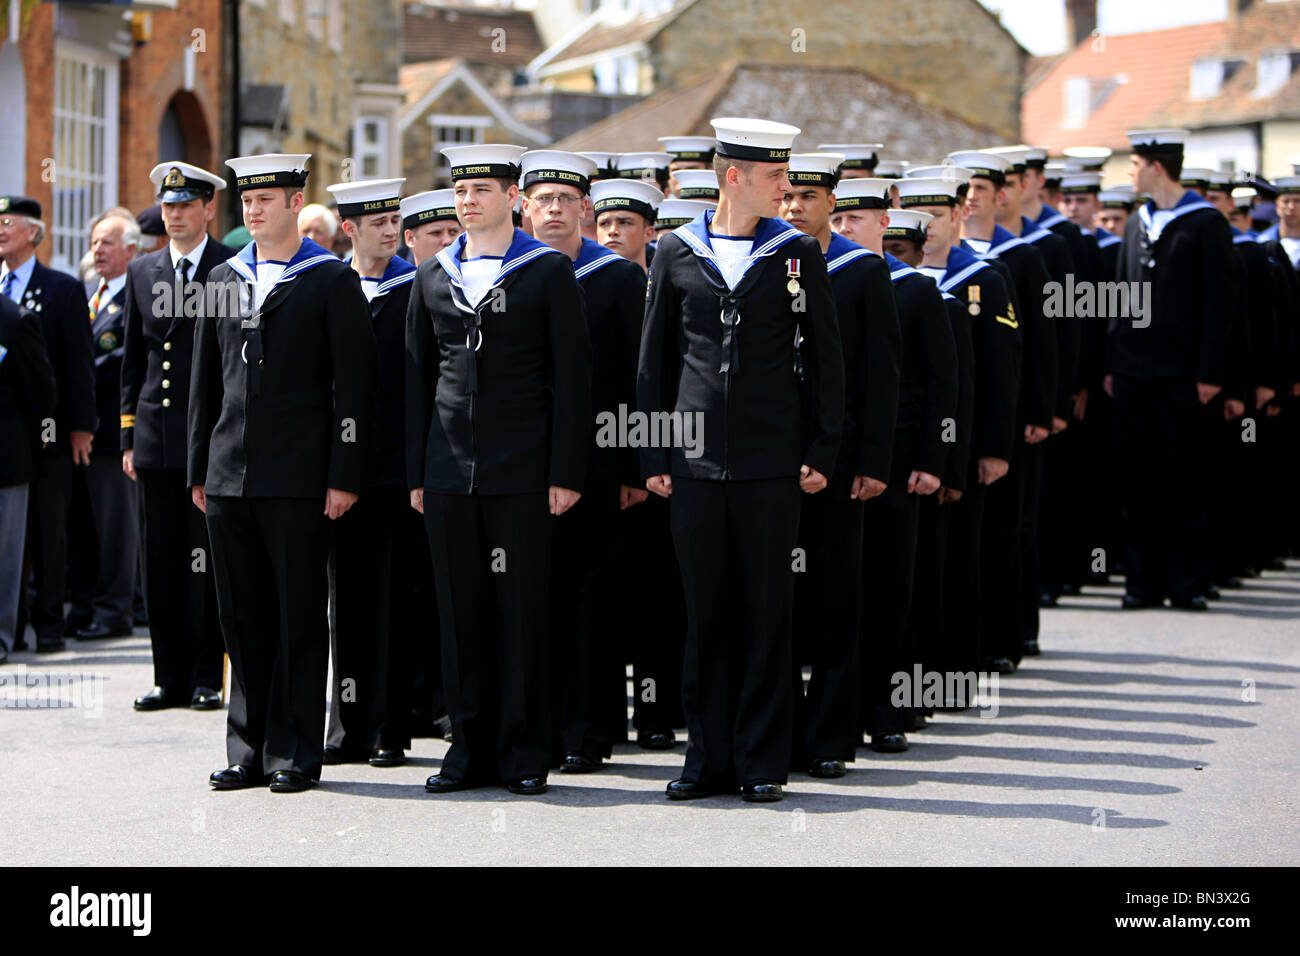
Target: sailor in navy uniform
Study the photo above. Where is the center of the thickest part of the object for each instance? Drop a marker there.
(499, 425)
(996, 345)
(379, 560)
(727, 293)
(687, 152)
(670, 214)
(1167, 368)
(656, 636)
(828, 593)
(281, 405)
(59, 302)
(860, 159)
(428, 224)
(1116, 206)
(651, 167)
(923, 434)
(604, 170)
(588, 683)
(154, 404)
(1008, 502)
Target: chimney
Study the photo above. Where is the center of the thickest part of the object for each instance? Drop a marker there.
(1236, 8)
(1081, 19)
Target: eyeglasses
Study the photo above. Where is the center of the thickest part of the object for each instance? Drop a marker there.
(9, 223)
(545, 199)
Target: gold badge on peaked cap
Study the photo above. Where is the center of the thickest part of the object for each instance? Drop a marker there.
(173, 178)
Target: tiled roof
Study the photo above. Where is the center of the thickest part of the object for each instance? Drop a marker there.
(829, 104)
(434, 31)
(1136, 78)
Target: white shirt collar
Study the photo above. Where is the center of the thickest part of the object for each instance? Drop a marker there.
(194, 255)
(23, 275)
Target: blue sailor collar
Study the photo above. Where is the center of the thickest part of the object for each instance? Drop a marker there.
(1106, 239)
(962, 264)
(1002, 241)
(1032, 231)
(769, 235)
(1049, 217)
(1268, 235)
(592, 257)
(523, 249)
(308, 256)
(841, 252)
(899, 270)
(1190, 202)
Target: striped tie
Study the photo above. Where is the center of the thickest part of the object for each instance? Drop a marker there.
(94, 300)
(10, 280)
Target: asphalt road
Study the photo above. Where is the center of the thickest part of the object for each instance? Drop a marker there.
(1139, 738)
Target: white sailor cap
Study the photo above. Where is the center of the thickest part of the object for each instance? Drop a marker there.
(1195, 176)
(697, 184)
(557, 166)
(1082, 182)
(1117, 197)
(815, 169)
(863, 194)
(270, 170)
(1220, 180)
(1085, 159)
(693, 149)
(1053, 171)
(984, 164)
(1294, 162)
(649, 166)
(1036, 157)
(677, 212)
(604, 164)
(1157, 142)
(428, 206)
(1017, 156)
(181, 182)
(1243, 197)
(931, 191)
(856, 155)
(1287, 185)
(756, 140)
(941, 171)
(908, 224)
(484, 161)
(891, 168)
(368, 197)
(634, 195)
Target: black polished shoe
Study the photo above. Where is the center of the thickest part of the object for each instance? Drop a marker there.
(205, 698)
(528, 786)
(234, 777)
(334, 756)
(581, 763)
(1047, 599)
(1003, 665)
(827, 769)
(290, 781)
(97, 631)
(50, 645)
(656, 739)
(1030, 649)
(156, 699)
(439, 783)
(889, 743)
(1211, 594)
(1131, 602)
(683, 789)
(761, 792)
(1196, 603)
(387, 757)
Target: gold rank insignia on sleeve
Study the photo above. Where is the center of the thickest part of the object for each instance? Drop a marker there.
(1010, 317)
(128, 421)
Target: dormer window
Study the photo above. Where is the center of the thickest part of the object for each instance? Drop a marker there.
(1274, 72)
(1210, 75)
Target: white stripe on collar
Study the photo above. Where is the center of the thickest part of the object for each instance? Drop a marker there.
(394, 282)
(595, 264)
(1105, 242)
(842, 260)
(1052, 220)
(958, 278)
(995, 251)
(899, 274)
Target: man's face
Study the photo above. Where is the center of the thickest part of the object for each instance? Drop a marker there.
(904, 249)
(17, 236)
(1031, 185)
(1143, 173)
(1008, 203)
(1240, 218)
(187, 221)
(425, 240)
(1288, 208)
(316, 231)
(763, 188)
(1113, 220)
(982, 199)
(863, 226)
(482, 205)
(375, 237)
(808, 208)
(674, 187)
(1220, 200)
(623, 232)
(855, 173)
(111, 255)
(939, 234)
(1080, 208)
(269, 214)
(555, 210)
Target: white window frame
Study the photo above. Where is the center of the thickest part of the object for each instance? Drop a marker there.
(1077, 107)
(85, 147)
(363, 150)
(1273, 72)
(476, 126)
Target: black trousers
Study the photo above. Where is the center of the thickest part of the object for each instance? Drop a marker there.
(374, 566)
(926, 620)
(269, 556)
(47, 536)
(1230, 510)
(182, 597)
(827, 616)
(651, 589)
(1062, 552)
(1100, 504)
(889, 530)
(963, 605)
(1160, 431)
(734, 542)
(1001, 556)
(588, 676)
(1033, 460)
(491, 565)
